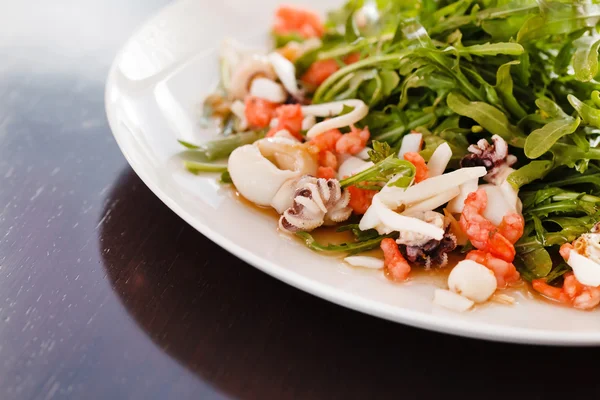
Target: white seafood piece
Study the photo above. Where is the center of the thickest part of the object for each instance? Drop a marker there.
(588, 245)
(268, 90)
(286, 72)
(457, 204)
(586, 271)
(316, 201)
(254, 176)
(284, 197)
(416, 239)
(451, 300)
(290, 156)
(439, 160)
(365, 262)
(238, 109)
(497, 206)
(308, 122)
(364, 154)
(351, 166)
(284, 136)
(473, 281)
(411, 143)
(511, 195)
(433, 202)
(247, 70)
(430, 187)
(360, 110)
(387, 221)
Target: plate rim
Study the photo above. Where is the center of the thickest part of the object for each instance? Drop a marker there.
(340, 297)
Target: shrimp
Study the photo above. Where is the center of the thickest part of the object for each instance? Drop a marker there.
(326, 141)
(417, 160)
(481, 232)
(353, 142)
(259, 112)
(573, 292)
(565, 250)
(328, 159)
(397, 268)
(504, 271)
(290, 20)
(326, 173)
(360, 199)
(352, 58)
(319, 71)
(289, 117)
(512, 226)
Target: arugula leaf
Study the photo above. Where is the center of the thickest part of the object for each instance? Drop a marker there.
(489, 117)
(351, 33)
(492, 49)
(549, 107)
(226, 177)
(381, 172)
(541, 140)
(188, 145)
(559, 18)
(360, 236)
(536, 259)
(350, 247)
(589, 115)
(380, 151)
(221, 148)
(196, 167)
(585, 59)
(530, 172)
(504, 87)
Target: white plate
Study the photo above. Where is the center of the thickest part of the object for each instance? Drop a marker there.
(153, 97)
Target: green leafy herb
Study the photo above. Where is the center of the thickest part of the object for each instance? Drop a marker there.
(221, 148)
(590, 115)
(381, 172)
(585, 59)
(350, 248)
(226, 178)
(380, 151)
(489, 117)
(196, 167)
(541, 140)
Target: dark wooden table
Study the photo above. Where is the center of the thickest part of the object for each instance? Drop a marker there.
(106, 294)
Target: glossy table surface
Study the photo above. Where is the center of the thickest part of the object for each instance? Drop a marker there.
(106, 294)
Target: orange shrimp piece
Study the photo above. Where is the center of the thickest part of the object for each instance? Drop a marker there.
(259, 112)
(289, 117)
(419, 162)
(319, 71)
(512, 226)
(290, 20)
(565, 250)
(328, 159)
(554, 293)
(573, 292)
(352, 58)
(354, 141)
(360, 199)
(505, 272)
(481, 232)
(326, 172)
(397, 268)
(326, 140)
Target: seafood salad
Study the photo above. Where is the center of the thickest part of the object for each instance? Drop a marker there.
(437, 135)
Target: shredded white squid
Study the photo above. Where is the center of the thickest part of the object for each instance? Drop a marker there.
(335, 108)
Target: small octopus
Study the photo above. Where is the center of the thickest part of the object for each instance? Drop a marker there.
(317, 201)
